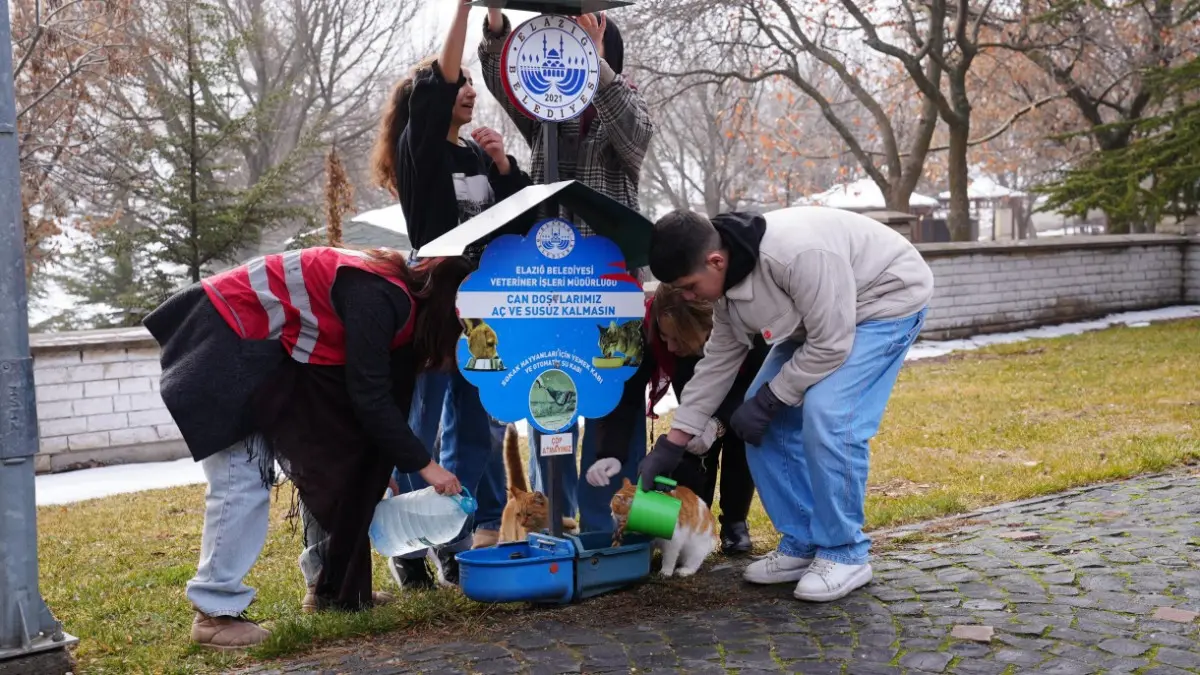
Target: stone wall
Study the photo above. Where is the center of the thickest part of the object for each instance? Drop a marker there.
(97, 391)
(992, 287)
(1192, 272)
(98, 400)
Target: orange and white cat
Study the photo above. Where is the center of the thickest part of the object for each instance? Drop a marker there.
(526, 510)
(695, 533)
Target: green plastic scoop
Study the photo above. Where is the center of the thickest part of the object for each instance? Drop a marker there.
(653, 512)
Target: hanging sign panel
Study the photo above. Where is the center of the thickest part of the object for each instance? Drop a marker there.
(550, 68)
(552, 326)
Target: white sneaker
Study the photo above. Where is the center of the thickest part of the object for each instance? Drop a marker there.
(826, 580)
(776, 568)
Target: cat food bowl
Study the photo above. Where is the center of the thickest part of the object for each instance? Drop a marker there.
(485, 364)
(653, 512)
(601, 567)
(613, 362)
(548, 570)
(541, 569)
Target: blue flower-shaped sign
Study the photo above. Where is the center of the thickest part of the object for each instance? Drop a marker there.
(553, 326)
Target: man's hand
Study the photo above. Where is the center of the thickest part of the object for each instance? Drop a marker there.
(662, 460)
(444, 482)
(594, 27)
(493, 144)
(751, 419)
(602, 471)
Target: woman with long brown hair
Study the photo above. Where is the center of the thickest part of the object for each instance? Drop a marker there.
(443, 179)
(307, 358)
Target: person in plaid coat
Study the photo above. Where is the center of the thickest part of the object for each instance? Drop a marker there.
(603, 148)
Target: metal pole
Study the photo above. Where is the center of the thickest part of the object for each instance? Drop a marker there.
(554, 463)
(26, 624)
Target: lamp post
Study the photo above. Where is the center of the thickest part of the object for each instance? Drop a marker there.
(31, 640)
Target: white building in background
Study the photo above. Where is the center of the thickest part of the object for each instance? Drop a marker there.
(864, 195)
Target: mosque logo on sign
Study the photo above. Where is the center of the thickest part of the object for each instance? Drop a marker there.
(550, 68)
(555, 238)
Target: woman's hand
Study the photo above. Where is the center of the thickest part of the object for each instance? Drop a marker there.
(444, 482)
(493, 144)
(594, 27)
(495, 22)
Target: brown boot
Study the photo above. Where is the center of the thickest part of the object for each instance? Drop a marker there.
(485, 538)
(310, 605)
(227, 633)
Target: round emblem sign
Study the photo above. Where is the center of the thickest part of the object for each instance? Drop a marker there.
(555, 239)
(550, 68)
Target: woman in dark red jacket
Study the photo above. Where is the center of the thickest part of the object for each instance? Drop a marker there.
(306, 358)
(675, 333)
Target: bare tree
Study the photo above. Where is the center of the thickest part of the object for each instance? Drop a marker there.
(319, 66)
(64, 53)
(926, 47)
(1097, 56)
(758, 40)
(315, 73)
(700, 157)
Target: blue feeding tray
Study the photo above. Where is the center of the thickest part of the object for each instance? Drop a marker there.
(601, 567)
(540, 569)
(549, 570)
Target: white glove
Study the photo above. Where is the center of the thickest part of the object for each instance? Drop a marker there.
(699, 445)
(601, 471)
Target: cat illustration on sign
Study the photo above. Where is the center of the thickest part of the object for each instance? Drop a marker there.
(624, 339)
(481, 343)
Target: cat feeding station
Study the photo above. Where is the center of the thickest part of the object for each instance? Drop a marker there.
(539, 313)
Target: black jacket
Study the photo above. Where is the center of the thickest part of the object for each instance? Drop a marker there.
(426, 164)
(210, 375)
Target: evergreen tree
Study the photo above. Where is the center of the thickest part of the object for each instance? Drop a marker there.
(1156, 175)
(189, 206)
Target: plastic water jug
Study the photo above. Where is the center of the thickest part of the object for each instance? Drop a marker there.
(418, 520)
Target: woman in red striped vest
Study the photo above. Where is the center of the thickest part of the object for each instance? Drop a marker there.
(306, 358)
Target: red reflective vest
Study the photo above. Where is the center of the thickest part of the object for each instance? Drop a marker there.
(286, 296)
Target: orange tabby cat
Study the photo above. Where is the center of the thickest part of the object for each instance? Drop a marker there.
(695, 532)
(526, 511)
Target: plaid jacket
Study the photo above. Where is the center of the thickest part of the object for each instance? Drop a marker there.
(609, 160)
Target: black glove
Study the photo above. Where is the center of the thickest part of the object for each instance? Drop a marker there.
(662, 460)
(752, 417)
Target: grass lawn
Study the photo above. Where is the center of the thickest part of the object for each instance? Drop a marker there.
(1004, 423)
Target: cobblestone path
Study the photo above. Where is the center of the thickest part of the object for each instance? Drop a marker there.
(1094, 581)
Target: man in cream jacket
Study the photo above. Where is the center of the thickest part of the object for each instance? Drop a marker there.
(841, 298)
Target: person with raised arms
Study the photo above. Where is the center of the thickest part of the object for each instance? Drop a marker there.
(443, 180)
(603, 148)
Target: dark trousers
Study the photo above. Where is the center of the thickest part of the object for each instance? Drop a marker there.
(699, 474)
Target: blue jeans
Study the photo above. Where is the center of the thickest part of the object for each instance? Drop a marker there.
(592, 503)
(811, 469)
(471, 445)
(236, 514)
